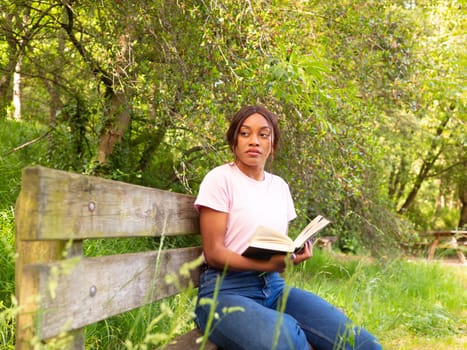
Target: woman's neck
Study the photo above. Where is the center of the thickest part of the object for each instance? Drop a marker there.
(256, 173)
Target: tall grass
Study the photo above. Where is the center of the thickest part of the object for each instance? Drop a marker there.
(398, 300)
(7, 254)
(7, 280)
(147, 327)
(407, 305)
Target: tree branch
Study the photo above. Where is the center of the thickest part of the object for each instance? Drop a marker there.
(442, 171)
(24, 145)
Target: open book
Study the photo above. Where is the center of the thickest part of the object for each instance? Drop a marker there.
(265, 241)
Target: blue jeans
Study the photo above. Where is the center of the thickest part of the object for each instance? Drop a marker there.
(258, 311)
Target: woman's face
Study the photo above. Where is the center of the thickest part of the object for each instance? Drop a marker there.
(254, 142)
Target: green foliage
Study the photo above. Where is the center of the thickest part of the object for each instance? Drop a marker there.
(7, 256)
(100, 247)
(361, 87)
(13, 135)
(7, 325)
(72, 142)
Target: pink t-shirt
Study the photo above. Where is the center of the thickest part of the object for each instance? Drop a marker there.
(248, 202)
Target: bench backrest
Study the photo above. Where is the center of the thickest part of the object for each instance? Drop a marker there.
(60, 290)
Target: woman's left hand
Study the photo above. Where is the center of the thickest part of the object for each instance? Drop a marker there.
(305, 253)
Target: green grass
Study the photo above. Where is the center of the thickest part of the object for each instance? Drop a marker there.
(408, 305)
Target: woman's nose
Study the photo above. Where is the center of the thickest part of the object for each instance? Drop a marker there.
(254, 140)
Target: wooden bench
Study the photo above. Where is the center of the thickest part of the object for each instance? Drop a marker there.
(448, 239)
(325, 242)
(59, 290)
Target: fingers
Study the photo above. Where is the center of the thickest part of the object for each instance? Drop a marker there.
(310, 246)
(305, 254)
(308, 249)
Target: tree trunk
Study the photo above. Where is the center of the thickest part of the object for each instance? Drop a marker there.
(463, 199)
(119, 120)
(5, 86)
(55, 104)
(422, 175)
(118, 113)
(9, 68)
(17, 88)
(463, 217)
(397, 181)
(428, 163)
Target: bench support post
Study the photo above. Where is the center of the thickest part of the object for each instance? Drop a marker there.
(433, 246)
(27, 288)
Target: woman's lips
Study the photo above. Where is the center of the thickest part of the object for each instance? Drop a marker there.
(253, 152)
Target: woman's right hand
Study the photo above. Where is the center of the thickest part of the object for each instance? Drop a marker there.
(305, 254)
(278, 262)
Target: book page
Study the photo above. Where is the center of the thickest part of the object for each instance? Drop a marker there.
(265, 234)
(316, 225)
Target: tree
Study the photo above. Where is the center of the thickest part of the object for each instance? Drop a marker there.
(367, 93)
(462, 190)
(430, 107)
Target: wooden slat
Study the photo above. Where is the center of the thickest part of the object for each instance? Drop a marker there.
(60, 205)
(80, 291)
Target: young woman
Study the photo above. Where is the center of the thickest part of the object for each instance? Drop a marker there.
(254, 309)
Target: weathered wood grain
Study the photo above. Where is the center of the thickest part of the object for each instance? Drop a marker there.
(55, 204)
(60, 291)
(80, 291)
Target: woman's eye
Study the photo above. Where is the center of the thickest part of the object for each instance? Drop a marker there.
(265, 135)
(244, 133)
